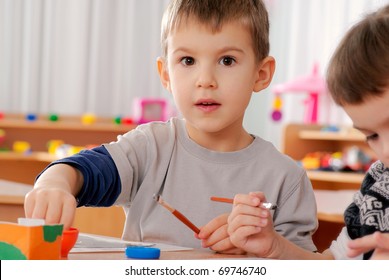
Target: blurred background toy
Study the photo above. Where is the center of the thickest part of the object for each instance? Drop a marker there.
(150, 109)
(357, 160)
(88, 118)
(127, 120)
(31, 117)
(21, 147)
(312, 84)
(66, 150)
(52, 146)
(53, 117)
(117, 120)
(277, 106)
(350, 159)
(2, 136)
(2, 140)
(61, 149)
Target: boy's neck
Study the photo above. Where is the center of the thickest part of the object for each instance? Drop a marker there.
(221, 141)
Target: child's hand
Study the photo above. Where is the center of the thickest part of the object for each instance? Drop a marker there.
(214, 235)
(54, 205)
(250, 227)
(378, 241)
(53, 197)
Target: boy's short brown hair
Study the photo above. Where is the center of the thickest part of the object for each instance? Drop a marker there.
(214, 13)
(359, 68)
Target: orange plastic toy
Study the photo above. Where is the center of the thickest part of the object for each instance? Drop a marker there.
(69, 239)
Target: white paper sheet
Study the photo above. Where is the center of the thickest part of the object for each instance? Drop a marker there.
(98, 243)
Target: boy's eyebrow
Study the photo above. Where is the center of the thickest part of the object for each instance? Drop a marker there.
(222, 50)
(227, 49)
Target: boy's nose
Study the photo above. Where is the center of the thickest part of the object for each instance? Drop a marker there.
(206, 79)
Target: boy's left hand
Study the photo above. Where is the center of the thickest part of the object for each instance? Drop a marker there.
(214, 235)
(378, 241)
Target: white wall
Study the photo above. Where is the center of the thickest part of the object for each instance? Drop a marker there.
(77, 56)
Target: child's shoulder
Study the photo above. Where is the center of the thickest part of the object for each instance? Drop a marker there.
(159, 126)
(155, 131)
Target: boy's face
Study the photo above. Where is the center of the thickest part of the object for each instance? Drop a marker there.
(372, 119)
(212, 75)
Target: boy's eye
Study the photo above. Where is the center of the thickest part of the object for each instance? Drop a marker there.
(227, 61)
(372, 137)
(187, 60)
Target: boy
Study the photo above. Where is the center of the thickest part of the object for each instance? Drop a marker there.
(358, 79)
(214, 55)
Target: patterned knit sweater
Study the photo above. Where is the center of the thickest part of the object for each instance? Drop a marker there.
(369, 211)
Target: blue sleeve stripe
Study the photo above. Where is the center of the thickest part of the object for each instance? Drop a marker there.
(102, 184)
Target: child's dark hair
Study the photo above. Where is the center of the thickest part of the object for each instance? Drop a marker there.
(214, 13)
(359, 68)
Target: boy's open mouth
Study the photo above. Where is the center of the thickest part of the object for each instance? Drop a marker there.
(208, 106)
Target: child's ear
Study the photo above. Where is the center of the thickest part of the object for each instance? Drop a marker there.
(265, 73)
(163, 73)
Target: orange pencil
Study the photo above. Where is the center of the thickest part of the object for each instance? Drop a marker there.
(222, 199)
(266, 205)
(177, 213)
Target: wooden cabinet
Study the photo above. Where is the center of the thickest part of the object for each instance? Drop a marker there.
(23, 168)
(333, 190)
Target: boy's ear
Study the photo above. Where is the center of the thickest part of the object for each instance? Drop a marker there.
(265, 73)
(163, 73)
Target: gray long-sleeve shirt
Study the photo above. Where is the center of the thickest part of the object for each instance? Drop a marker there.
(195, 174)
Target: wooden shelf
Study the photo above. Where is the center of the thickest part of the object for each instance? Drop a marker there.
(348, 135)
(69, 129)
(71, 124)
(300, 140)
(333, 190)
(339, 177)
(23, 168)
(38, 156)
(333, 218)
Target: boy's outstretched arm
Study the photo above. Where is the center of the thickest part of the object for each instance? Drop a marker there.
(53, 196)
(378, 241)
(251, 228)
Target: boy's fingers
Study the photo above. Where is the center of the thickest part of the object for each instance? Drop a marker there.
(382, 240)
(217, 236)
(29, 204)
(246, 199)
(366, 242)
(52, 206)
(212, 226)
(68, 213)
(53, 213)
(245, 221)
(241, 210)
(259, 195)
(39, 211)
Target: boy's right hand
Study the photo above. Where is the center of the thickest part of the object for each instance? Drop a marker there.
(250, 227)
(53, 197)
(53, 204)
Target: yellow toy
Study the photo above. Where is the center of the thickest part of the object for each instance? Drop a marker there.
(88, 119)
(21, 147)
